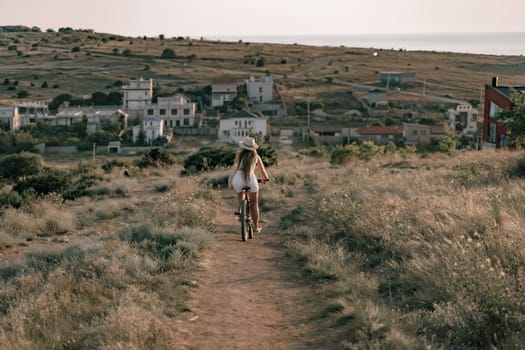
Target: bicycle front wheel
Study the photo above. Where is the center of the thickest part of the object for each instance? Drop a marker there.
(244, 223)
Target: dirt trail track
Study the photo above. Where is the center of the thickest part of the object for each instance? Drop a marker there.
(249, 296)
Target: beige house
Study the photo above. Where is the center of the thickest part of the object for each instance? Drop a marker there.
(223, 91)
(260, 90)
(10, 118)
(417, 134)
(175, 112)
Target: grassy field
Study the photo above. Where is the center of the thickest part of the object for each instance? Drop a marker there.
(413, 251)
(81, 63)
(416, 252)
(420, 253)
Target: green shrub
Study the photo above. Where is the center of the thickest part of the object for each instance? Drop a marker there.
(48, 181)
(109, 165)
(155, 158)
(15, 166)
(208, 158)
(11, 199)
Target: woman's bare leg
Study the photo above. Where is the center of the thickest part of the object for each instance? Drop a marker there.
(254, 209)
(239, 200)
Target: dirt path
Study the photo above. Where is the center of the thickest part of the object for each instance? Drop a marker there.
(249, 296)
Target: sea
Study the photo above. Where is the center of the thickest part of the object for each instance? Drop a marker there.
(502, 43)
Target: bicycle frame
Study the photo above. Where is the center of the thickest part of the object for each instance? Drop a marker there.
(245, 216)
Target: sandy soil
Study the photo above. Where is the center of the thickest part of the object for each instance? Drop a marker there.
(249, 295)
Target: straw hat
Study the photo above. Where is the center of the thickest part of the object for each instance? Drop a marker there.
(249, 144)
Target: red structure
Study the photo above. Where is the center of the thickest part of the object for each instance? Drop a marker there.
(497, 98)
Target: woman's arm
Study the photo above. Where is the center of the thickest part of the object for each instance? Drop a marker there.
(262, 169)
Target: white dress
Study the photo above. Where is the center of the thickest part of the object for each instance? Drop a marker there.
(238, 181)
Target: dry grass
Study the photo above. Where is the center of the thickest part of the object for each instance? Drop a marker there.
(424, 250)
(300, 72)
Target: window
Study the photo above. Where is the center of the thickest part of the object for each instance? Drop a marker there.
(414, 132)
(423, 132)
(177, 123)
(173, 112)
(162, 112)
(260, 89)
(494, 110)
(186, 111)
(492, 133)
(186, 122)
(150, 111)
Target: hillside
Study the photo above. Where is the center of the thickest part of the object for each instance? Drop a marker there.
(81, 63)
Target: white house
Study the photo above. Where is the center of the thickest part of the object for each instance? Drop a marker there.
(152, 128)
(260, 90)
(223, 91)
(175, 112)
(67, 117)
(96, 116)
(464, 119)
(235, 126)
(9, 117)
(32, 111)
(137, 94)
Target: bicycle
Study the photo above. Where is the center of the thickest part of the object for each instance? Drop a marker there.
(245, 218)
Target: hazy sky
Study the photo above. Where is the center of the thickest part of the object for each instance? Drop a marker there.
(267, 17)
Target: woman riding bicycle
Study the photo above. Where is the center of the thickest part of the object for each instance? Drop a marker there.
(243, 174)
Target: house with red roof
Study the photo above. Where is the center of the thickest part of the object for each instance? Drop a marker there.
(497, 98)
(379, 134)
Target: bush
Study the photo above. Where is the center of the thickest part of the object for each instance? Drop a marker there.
(68, 184)
(15, 166)
(11, 199)
(168, 53)
(156, 157)
(48, 181)
(208, 158)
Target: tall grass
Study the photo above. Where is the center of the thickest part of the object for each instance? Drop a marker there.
(430, 254)
(45, 217)
(104, 294)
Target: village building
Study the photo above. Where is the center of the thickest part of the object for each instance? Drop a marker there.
(175, 112)
(380, 134)
(420, 134)
(235, 126)
(136, 96)
(152, 127)
(223, 91)
(497, 98)
(10, 118)
(260, 90)
(31, 112)
(96, 117)
(377, 102)
(463, 119)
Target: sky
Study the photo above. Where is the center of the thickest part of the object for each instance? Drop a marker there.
(215, 18)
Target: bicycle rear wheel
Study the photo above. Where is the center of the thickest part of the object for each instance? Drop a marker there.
(249, 222)
(244, 216)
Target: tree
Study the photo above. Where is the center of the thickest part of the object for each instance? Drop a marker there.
(515, 117)
(168, 53)
(127, 53)
(99, 98)
(15, 166)
(260, 62)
